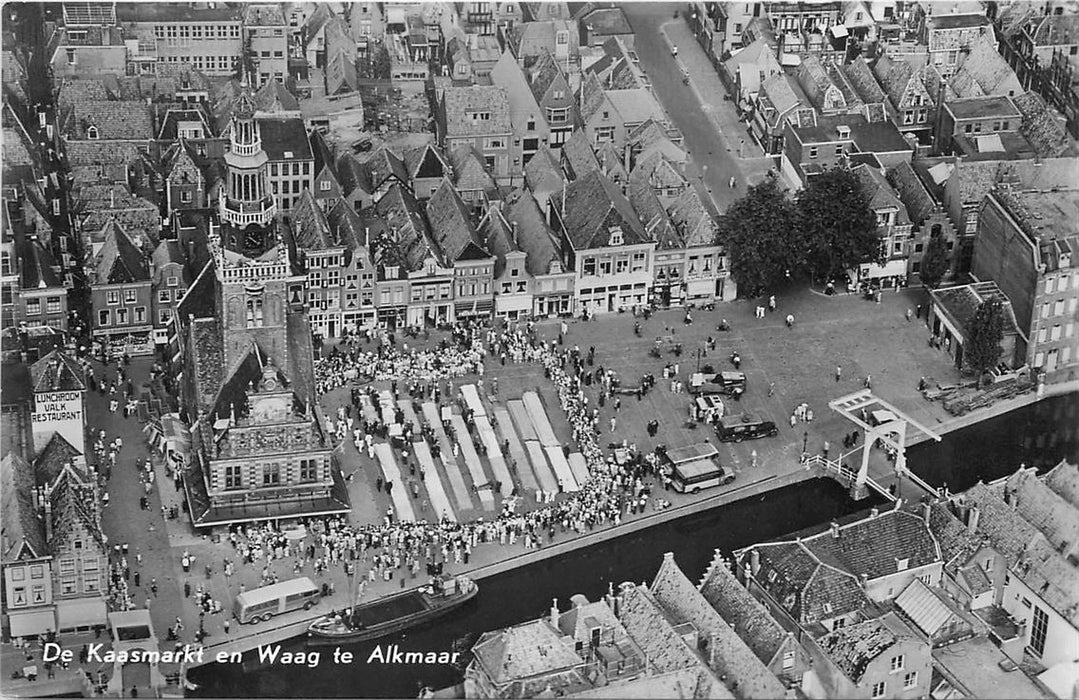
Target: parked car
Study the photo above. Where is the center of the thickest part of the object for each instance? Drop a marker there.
(744, 426)
(729, 383)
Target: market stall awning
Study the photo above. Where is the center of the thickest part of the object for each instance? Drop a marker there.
(82, 612)
(26, 623)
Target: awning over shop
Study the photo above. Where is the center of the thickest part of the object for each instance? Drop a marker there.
(696, 288)
(892, 268)
(83, 612)
(26, 623)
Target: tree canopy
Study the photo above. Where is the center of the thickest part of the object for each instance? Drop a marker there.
(935, 262)
(760, 233)
(838, 228)
(984, 333)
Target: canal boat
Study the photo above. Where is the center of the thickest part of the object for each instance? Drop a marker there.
(392, 614)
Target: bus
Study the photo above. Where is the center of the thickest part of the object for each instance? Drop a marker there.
(696, 467)
(263, 603)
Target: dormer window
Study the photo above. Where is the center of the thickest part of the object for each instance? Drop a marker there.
(91, 133)
(615, 237)
(902, 564)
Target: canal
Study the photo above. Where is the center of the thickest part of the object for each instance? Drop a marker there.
(1039, 435)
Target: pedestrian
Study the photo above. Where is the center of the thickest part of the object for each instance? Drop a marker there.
(753, 459)
(731, 182)
(794, 420)
(771, 388)
(918, 310)
(790, 320)
(138, 578)
(226, 625)
(910, 314)
(838, 373)
(868, 382)
(827, 447)
(614, 423)
(153, 586)
(772, 303)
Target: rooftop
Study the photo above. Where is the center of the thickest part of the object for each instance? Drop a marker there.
(962, 301)
(975, 663)
(176, 12)
(853, 647)
(945, 22)
(476, 110)
(1045, 216)
(982, 107)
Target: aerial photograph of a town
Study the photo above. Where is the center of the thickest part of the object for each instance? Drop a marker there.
(540, 349)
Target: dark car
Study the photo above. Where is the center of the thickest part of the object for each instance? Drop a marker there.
(745, 426)
(728, 383)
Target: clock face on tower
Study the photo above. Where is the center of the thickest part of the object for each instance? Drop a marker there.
(254, 238)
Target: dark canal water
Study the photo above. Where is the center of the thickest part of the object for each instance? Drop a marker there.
(1037, 435)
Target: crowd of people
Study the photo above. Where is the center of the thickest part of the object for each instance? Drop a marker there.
(395, 549)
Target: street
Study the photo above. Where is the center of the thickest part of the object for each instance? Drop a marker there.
(713, 135)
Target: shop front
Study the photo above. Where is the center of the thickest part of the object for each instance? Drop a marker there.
(32, 622)
(893, 273)
(80, 614)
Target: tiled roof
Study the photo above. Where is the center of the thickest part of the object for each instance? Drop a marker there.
(351, 174)
(781, 93)
(15, 151)
(976, 580)
(407, 230)
(114, 119)
(663, 647)
(36, 265)
(507, 74)
(863, 80)
(316, 20)
(578, 154)
(383, 164)
(1046, 510)
(75, 506)
(264, 15)
(57, 371)
(879, 193)
(310, 229)
(746, 675)
(531, 649)
(497, 235)
(851, 648)
(651, 137)
(543, 173)
(469, 172)
(1009, 532)
(425, 162)
(451, 227)
(120, 261)
(607, 21)
(636, 105)
(533, 38)
(915, 197)
(347, 227)
(543, 73)
(1042, 127)
(744, 613)
(1063, 480)
(610, 161)
(23, 531)
(984, 72)
(593, 207)
(957, 542)
(872, 545)
(691, 219)
(57, 453)
(73, 91)
(657, 225)
(534, 236)
(207, 357)
(274, 97)
(462, 104)
(1057, 30)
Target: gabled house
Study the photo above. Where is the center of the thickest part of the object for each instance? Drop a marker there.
(461, 248)
(185, 184)
(479, 117)
(745, 71)
(779, 103)
(510, 279)
(827, 87)
(551, 279)
(559, 37)
(121, 293)
(426, 168)
(603, 23)
(608, 116)
(471, 176)
(170, 280)
(928, 218)
(606, 243)
(775, 647)
(909, 90)
(984, 72)
(527, 120)
(544, 177)
(893, 228)
(550, 86)
(948, 35)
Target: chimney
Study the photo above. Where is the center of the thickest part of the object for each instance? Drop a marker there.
(927, 508)
(874, 512)
(754, 561)
(973, 519)
(554, 612)
(865, 580)
(48, 518)
(513, 229)
(835, 530)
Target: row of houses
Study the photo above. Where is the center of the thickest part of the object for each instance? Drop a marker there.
(947, 598)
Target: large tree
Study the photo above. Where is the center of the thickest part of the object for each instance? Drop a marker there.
(984, 333)
(838, 228)
(935, 262)
(760, 234)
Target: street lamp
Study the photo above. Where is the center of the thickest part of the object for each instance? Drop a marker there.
(700, 351)
(805, 441)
